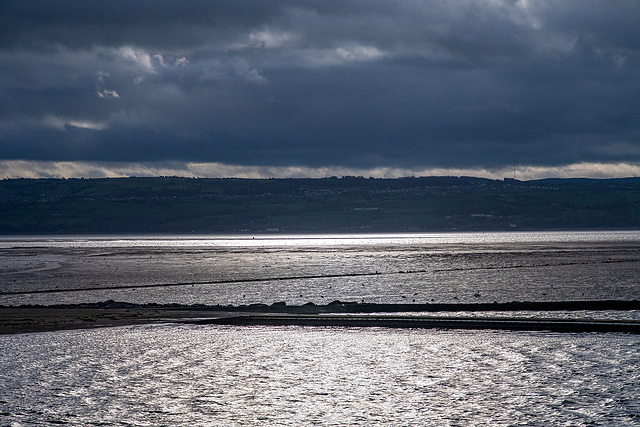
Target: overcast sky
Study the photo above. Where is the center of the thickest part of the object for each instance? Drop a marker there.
(315, 88)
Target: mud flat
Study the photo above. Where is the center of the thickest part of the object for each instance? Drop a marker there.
(25, 319)
(18, 320)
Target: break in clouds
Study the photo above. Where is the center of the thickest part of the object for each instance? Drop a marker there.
(308, 87)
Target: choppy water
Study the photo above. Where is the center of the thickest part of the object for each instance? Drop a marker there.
(295, 376)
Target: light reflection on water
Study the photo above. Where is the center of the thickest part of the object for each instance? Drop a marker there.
(441, 268)
(197, 375)
(305, 240)
(189, 375)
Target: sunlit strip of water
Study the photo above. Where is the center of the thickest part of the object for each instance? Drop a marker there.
(232, 376)
(92, 241)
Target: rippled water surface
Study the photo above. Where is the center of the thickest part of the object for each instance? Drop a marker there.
(227, 376)
(232, 376)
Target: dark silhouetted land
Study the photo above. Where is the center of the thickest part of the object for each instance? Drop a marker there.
(328, 205)
(25, 319)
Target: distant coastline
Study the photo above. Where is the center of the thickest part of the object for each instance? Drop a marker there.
(175, 205)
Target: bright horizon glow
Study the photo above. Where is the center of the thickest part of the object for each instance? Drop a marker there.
(13, 169)
(315, 240)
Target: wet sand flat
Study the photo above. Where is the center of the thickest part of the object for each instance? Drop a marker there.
(17, 320)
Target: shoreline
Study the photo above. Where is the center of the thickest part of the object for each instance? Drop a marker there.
(21, 320)
(37, 318)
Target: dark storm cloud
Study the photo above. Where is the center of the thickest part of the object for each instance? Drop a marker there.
(349, 83)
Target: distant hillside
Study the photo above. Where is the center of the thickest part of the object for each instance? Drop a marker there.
(349, 204)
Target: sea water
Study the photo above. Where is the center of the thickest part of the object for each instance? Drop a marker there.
(223, 375)
(178, 375)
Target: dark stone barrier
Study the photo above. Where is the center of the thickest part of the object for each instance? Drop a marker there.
(514, 324)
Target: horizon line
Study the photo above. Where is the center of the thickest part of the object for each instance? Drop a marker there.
(34, 169)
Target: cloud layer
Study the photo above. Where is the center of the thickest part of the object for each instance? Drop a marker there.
(322, 85)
